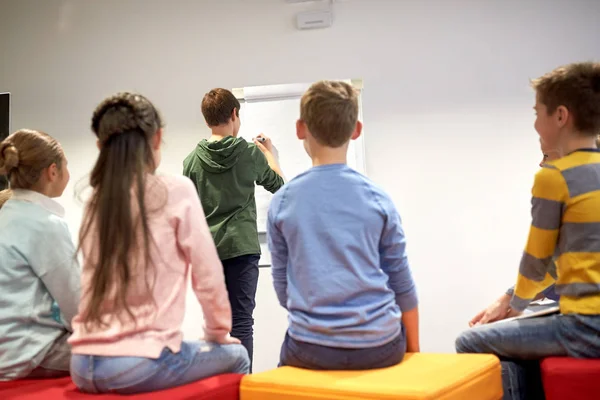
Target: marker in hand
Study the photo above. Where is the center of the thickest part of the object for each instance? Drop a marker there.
(263, 143)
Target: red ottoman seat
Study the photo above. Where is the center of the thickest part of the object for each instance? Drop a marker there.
(222, 387)
(571, 378)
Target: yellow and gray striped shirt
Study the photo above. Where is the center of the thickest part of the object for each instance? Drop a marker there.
(565, 224)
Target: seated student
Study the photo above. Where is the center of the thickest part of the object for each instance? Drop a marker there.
(500, 308)
(338, 251)
(141, 235)
(566, 216)
(224, 170)
(39, 275)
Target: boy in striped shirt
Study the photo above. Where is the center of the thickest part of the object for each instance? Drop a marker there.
(566, 225)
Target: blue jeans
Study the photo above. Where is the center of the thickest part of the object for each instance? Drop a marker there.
(241, 279)
(312, 356)
(129, 375)
(521, 344)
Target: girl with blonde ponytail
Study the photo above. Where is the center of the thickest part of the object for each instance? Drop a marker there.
(39, 275)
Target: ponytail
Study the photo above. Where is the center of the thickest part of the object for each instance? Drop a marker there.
(124, 124)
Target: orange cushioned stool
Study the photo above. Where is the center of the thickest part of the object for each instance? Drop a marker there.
(222, 387)
(571, 378)
(419, 376)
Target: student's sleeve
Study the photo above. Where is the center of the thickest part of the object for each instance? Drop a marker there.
(59, 270)
(187, 171)
(279, 251)
(537, 270)
(265, 176)
(394, 261)
(208, 281)
(549, 292)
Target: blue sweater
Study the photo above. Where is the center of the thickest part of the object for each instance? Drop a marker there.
(338, 259)
(39, 281)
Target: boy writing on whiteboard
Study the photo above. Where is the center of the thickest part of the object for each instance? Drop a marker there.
(338, 250)
(225, 169)
(565, 225)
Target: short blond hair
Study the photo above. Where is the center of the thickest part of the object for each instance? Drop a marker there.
(576, 87)
(330, 111)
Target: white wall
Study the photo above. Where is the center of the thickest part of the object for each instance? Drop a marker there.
(446, 103)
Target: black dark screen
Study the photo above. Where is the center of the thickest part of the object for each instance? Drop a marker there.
(4, 126)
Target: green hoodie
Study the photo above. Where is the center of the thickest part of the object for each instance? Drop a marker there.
(225, 173)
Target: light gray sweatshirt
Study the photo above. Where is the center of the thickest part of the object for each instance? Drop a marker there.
(40, 281)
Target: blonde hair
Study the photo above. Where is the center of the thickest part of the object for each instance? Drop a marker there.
(5, 195)
(23, 157)
(330, 111)
(576, 87)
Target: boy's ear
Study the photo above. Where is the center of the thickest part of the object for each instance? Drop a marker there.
(357, 131)
(301, 129)
(234, 114)
(98, 145)
(562, 116)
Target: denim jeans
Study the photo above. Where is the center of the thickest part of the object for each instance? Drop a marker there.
(241, 279)
(129, 375)
(312, 356)
(521, 344)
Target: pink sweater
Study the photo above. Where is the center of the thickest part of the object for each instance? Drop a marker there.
(182, 243)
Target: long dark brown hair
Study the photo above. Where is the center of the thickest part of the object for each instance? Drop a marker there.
(117, 212)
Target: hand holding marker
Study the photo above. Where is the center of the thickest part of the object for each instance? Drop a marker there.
(263, 143)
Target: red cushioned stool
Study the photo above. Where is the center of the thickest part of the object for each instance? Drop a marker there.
(571, 378)
(222, 387)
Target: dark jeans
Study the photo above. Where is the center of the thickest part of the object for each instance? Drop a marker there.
(311, 356)
(241, 278)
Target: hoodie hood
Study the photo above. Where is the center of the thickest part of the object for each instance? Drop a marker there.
(221, 156)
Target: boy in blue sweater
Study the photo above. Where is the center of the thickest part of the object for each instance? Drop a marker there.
(338, 251)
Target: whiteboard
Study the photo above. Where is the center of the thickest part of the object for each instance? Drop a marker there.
(274, 110)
